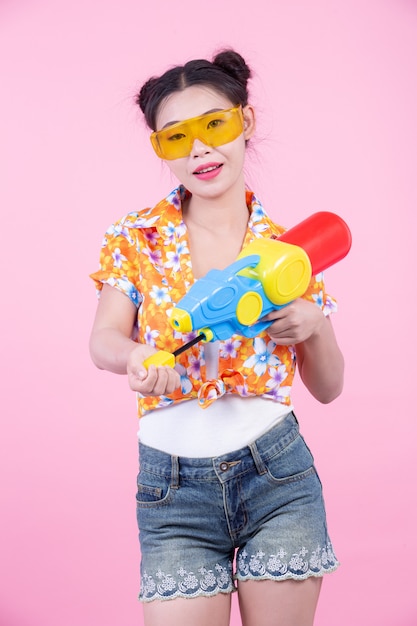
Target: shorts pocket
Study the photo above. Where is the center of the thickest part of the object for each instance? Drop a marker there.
(152, 490)
(293, 463)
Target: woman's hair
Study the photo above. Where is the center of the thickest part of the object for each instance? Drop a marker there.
(228, 74)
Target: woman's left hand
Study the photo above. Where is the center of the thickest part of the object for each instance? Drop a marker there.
(295, 322)
(319, 358)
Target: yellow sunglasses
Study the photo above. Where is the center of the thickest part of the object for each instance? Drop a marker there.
(213, 129)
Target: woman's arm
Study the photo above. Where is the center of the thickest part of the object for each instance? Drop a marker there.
(319, 359)
(112, 348)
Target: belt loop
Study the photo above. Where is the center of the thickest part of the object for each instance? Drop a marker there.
(175, 472)
(260, 465)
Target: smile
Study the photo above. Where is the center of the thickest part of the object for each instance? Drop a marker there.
(211, 169)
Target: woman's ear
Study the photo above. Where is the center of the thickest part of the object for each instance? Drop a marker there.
(249, 122)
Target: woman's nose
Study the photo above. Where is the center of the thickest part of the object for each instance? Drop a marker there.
(199, 148)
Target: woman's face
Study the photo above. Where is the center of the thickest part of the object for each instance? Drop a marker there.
(206, 171)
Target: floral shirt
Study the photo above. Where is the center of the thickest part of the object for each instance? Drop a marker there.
(146, 255)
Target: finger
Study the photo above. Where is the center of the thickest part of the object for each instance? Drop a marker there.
(161, 384)
(285, 340)
(280, 328)
(143, 380)
(174, 381)
(273, 315)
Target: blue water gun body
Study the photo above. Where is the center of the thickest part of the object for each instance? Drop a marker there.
(267, 275)
(231, 301)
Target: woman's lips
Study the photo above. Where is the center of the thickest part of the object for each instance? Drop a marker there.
(208, 171)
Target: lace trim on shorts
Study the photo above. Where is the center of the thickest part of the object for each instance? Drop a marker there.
(249, 567)
(206, 582)
(276, 567)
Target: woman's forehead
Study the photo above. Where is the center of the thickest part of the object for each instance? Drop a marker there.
(191, 102)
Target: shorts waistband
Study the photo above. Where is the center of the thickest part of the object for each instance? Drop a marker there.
(223, 467)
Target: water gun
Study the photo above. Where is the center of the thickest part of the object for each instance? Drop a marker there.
(267, 275)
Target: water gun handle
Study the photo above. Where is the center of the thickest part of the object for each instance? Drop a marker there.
(162, 358)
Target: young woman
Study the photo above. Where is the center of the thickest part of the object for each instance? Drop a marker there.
(228, 497)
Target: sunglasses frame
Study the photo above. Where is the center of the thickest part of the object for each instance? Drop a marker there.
(168, 148)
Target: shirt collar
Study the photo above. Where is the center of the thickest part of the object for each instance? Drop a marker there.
(168, 211)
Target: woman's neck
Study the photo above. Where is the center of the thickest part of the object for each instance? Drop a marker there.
(217, 214)
(216, 230)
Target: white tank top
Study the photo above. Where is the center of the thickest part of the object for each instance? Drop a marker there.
(230, 423)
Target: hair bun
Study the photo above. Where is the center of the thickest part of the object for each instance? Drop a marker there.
(233, 64)
(145, 93)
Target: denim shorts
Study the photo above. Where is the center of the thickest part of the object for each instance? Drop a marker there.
(252, 514)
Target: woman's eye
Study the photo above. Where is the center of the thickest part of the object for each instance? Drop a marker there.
(215, 123)
(176, 137)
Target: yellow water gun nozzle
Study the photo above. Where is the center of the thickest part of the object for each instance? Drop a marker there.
(181, 321)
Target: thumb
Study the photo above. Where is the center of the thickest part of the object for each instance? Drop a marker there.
(141, 372)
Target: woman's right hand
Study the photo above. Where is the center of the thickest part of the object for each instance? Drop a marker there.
(112, 348)
(151, 381)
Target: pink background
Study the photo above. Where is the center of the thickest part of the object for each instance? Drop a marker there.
(336, 92)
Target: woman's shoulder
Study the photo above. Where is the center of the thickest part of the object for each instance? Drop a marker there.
(149, 217)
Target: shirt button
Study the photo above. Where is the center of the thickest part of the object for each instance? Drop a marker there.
(224, 466)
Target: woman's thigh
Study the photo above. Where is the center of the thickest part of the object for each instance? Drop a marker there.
(279, 603)
(202, 611)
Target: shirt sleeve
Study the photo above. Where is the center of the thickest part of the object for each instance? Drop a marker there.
(119, 262)
(316, 293)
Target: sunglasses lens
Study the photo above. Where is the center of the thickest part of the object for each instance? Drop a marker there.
(173, 142)
(214, 129)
